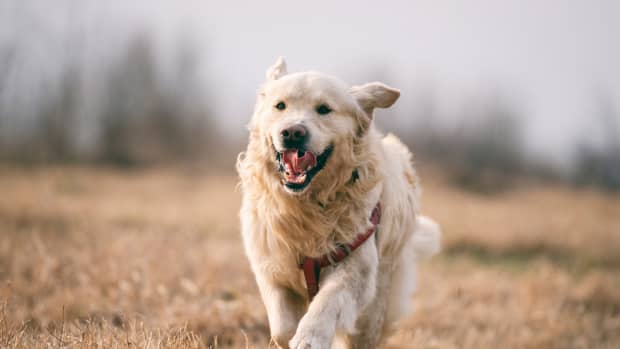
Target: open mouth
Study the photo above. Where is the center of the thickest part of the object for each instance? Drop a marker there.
(299, 166)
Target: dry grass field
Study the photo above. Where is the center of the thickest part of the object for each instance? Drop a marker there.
(103, 258)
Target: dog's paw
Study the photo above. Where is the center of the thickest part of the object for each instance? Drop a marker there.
(309, 340)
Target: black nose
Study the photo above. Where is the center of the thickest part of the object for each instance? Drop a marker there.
(294, 136)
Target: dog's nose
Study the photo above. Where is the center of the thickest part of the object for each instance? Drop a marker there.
(294, 136)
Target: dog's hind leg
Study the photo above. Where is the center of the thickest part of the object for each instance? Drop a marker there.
(371, 325)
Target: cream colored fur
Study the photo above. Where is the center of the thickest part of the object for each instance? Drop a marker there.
(362, 296)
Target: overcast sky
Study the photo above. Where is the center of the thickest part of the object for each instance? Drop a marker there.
(554, 59)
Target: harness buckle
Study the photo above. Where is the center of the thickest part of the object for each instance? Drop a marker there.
(331, 260)
(347, 249)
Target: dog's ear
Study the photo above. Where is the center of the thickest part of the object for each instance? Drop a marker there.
(277, 70)
(374, 95)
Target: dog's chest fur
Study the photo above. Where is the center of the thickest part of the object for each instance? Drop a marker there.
(288, 231)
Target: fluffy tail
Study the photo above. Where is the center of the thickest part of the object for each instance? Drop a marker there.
(426, 239)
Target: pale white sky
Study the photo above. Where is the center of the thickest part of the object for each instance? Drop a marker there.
(553, 58)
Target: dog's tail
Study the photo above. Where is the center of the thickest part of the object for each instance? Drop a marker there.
(426, 239)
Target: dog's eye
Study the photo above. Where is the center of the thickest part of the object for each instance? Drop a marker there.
(323, 109)
(280, 106)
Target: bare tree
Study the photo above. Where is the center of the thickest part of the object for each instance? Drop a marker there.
(600, 166)
(484, 152)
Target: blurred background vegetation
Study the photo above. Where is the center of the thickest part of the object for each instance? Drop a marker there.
(120, 123)
(125, 97)
(141, 117)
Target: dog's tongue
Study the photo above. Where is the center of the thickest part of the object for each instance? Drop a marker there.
(296, 163)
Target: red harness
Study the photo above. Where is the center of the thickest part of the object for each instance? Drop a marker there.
(312, 266)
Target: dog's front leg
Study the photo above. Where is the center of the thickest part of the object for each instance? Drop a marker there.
(344, 292)
(284, 309)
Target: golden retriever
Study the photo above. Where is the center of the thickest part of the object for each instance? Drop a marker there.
(317, 177)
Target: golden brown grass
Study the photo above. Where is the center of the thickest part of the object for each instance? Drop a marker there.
(100, 258)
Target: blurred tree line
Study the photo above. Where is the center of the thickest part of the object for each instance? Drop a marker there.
(139, 113)
(485, 151)
(598, 161)
(143, 111)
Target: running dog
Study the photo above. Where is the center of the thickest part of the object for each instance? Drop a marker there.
(330, 213)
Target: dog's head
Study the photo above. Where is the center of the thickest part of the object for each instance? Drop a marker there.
(310, 122)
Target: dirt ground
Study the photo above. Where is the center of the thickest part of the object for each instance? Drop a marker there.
(103, 258)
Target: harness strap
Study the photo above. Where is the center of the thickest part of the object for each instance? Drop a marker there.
(312, 266)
